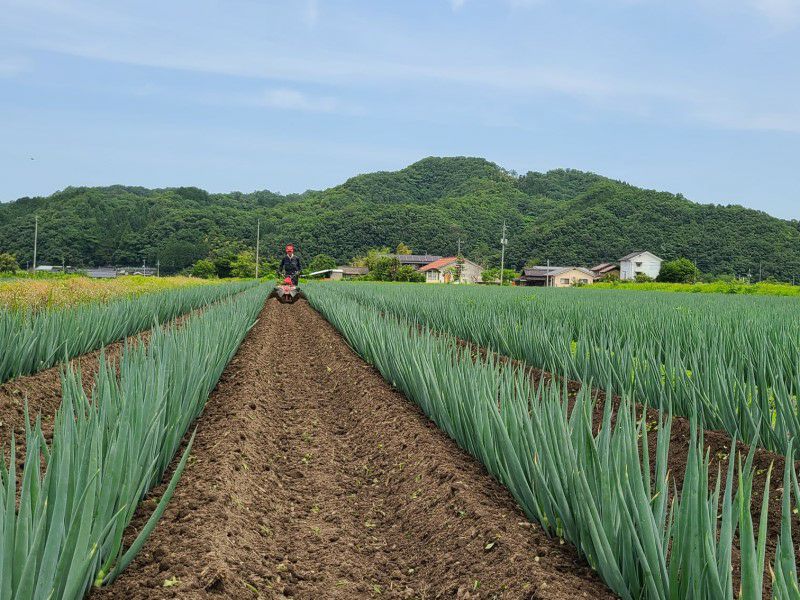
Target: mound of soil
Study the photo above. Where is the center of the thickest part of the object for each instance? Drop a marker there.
(312, 478)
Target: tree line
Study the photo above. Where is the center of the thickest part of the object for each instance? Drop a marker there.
(564, 216)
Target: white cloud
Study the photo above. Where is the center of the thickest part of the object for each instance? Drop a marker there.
(782, 13)
(311, 13)
(10, 66)
(457, 4)
(288, 99)
(281, 99)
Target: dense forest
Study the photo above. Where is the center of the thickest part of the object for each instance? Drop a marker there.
(565, 216)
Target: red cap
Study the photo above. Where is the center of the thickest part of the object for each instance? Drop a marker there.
(288, 280)
(289, 248)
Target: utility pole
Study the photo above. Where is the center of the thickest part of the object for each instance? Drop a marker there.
(548, 274)
(158, 267)
(258, 241)
(35, 241)
(144, 265)
(503, 242)
(760, 273)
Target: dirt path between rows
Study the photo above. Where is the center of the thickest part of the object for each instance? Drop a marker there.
(311, 478)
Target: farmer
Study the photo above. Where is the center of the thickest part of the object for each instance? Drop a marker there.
(290, 265)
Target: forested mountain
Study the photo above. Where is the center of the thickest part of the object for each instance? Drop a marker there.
(566, 216)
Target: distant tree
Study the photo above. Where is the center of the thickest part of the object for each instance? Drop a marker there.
(383, 268)
(402, 249)
(8, 263)
(493, 276)
(223, 257)
(204, 269)
(244, 265)
(410, 274)
(680, 270)
(372, 256)
(321, 262)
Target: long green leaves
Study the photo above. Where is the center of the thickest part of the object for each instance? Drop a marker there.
(595, 487)
(32, 341)
(107, 452)
(732, 360)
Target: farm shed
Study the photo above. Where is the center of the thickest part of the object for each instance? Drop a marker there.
(635, 263)
(555, 276)
(445, 270)
(344, 272)
(415, 260)
(605, 269)
(102, 272)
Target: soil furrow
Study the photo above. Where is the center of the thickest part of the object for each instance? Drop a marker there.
(312, 478)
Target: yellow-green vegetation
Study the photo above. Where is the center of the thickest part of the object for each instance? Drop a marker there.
(717, 287)
(37, 294)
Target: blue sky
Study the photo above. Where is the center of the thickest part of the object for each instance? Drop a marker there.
(699, 97)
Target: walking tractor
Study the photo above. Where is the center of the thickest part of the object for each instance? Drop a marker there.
(287, 292)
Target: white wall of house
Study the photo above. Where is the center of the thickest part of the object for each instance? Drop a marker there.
(646, 263)
(470, 273)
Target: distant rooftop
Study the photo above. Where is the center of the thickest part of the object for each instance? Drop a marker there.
(415, 259)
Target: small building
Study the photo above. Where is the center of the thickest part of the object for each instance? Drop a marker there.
(446, 270)
(143, 270)
(636, 263)
(102, 272)
(543, 276)
(605, 270)
(48, 269)
(343, 272)
(415, 260)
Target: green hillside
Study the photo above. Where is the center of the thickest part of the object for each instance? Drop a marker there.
(566, 216)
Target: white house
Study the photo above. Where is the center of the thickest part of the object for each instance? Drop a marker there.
(445, 270)
(635, 263)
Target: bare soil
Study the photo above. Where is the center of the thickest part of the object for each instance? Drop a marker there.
(311, 477)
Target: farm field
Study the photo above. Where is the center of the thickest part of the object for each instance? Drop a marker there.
(67, 291)
(717, 287)
(35, 339)
(338, 459)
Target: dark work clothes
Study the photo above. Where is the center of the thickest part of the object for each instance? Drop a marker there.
(291, 266)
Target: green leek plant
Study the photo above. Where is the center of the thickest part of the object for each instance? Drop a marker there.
(78, 493)
(32, 341)
(595, 488)
(732, 360)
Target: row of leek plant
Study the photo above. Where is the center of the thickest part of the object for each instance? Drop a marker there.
(34, 340)
(730, 359)
(593, 488)
(107, 452)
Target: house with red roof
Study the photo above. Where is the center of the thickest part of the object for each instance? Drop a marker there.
(452, 269)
